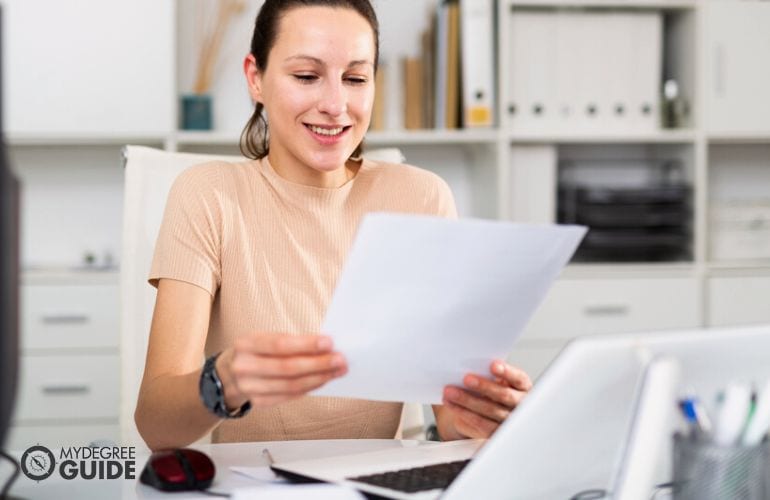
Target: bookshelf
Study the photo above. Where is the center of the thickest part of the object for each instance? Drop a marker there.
(483, 166)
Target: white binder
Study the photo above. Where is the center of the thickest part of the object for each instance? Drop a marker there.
(646, 31)
(532, 77)
(478, 62)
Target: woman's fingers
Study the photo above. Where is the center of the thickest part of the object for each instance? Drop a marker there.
(261, 386)
(480, 405)
(471, 424)
(250, 365)
(503, 393)
(277, 344)
(515, 377)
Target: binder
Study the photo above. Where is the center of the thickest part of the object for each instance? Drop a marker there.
(478, 62)
(453, 66)
(413, 101)
(646, 31)
(442, 29)
(380, 92)
(532, 77)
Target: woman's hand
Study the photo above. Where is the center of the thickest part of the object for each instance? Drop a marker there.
(478, 408)
(272, 368)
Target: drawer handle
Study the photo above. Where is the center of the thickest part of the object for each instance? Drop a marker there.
(65, 319)
(606, 310)
(66, 389)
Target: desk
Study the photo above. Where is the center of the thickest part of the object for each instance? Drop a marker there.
(223, 455)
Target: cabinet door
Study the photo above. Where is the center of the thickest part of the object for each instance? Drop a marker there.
(738, 300)
(737, 69)
(89, 67)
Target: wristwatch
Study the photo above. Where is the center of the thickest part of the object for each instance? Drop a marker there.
(213, 394)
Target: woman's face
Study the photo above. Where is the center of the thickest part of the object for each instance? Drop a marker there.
(318, 90)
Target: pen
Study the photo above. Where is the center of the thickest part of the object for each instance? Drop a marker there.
(731, 417)
(760, 421)
(268, 456)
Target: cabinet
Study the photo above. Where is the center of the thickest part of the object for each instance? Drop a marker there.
(69, 370)
(66, 144)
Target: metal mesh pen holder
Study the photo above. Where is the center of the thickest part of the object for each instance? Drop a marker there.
(706, 471)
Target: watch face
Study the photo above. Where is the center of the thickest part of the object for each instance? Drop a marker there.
(38, 463)
(210, 391)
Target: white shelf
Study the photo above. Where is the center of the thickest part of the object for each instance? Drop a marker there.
(82, 276)
(684, 136)
(206, 138)
(434, 136)
(631, 270)
(63, 139)
(608, 4)
(738, 138)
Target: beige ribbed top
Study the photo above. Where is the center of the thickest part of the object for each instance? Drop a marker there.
(269, 251)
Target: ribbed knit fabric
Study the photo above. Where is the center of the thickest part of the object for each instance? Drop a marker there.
(269, 251)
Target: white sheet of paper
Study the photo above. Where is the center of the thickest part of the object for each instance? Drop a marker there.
(297, 492)
(421, 301)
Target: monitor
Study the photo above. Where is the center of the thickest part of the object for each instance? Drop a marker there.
(9, 279)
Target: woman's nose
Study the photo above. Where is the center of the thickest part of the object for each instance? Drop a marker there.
(333, 100)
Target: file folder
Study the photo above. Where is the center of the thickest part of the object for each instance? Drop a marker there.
(478, 62)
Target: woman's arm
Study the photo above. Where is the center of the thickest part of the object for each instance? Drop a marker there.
(264, 368)
(169, 412)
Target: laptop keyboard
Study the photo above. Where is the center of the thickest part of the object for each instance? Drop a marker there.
(430, 477)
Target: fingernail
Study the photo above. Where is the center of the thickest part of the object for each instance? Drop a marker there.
(324, 344)
(472, 382)
(450, 393)
(498, 368)
(337, 360)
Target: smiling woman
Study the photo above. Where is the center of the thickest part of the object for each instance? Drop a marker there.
(248, 253)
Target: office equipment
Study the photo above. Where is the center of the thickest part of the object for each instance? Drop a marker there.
(442, 297)
(183, 469)
(760, 422)
(704, 470)
(9, 280)
(478, 62)
(575, 424)
(734, 408)
(648, 220)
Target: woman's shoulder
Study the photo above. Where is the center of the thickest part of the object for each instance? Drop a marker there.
(402, 173)
(216, 173)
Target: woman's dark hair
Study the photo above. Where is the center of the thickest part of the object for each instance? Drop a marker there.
(254, 143)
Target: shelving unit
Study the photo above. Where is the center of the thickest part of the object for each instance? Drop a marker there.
(491, 171)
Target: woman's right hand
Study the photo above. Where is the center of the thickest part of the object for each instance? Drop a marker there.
(271, 368)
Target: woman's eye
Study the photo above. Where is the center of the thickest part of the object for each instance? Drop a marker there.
(306, 78)
(356, 80)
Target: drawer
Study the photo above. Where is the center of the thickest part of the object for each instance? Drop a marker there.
(56, 316)
(576, 307)
(68, 387)
(738, 300)
(22, 437)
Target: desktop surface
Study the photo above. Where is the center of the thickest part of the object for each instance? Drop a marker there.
(225, 456)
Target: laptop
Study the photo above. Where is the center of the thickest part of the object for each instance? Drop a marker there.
(572, 435)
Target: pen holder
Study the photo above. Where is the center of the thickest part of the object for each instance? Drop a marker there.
(706, 471)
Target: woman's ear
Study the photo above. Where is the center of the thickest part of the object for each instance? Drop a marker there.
(253, 78)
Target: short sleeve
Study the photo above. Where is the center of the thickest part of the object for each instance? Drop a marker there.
(189, 241)
(443, 201)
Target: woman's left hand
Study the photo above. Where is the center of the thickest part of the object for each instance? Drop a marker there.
(478, 408)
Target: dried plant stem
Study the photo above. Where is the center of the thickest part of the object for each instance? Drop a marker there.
(212, 43)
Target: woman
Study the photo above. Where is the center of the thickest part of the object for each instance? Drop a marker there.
(248, 253)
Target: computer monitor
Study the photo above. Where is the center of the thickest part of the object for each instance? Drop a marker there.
(571, 434)
(9, 278)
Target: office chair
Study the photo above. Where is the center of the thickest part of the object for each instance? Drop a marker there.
(149, 174)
